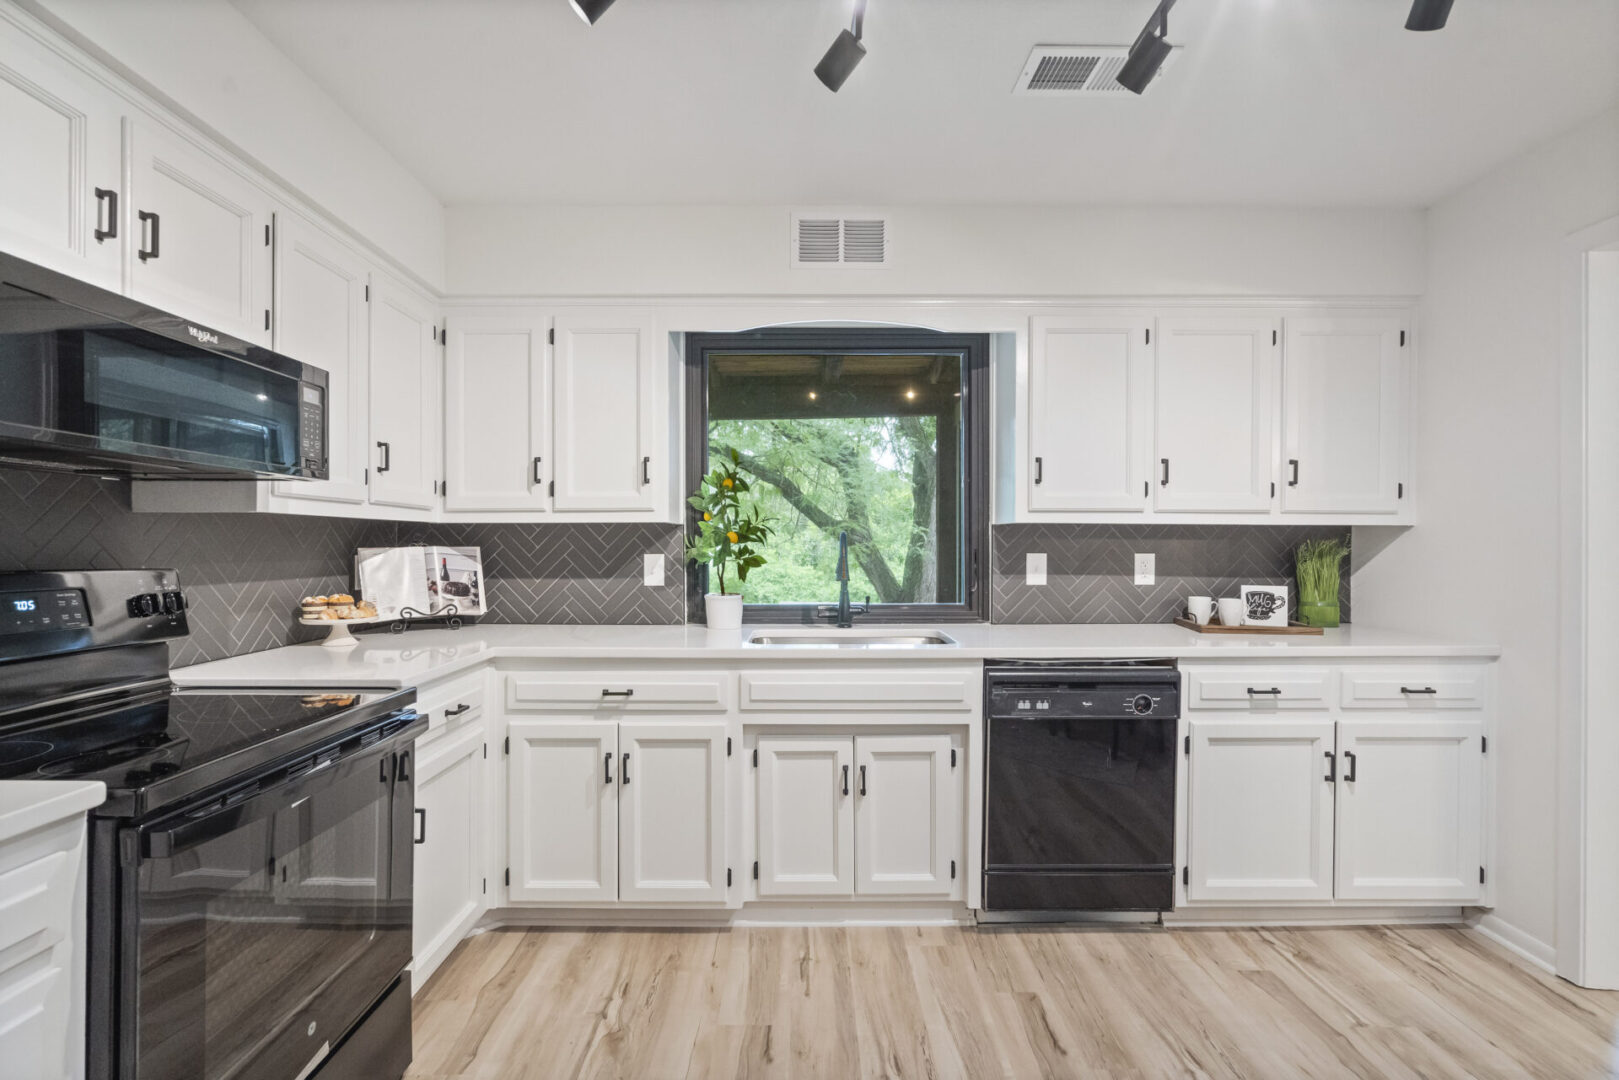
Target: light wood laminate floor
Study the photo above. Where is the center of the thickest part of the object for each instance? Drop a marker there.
(957, 1002)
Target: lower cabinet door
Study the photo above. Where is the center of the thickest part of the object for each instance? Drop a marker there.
(806, 816)
(1260, 810)
(672, 811)
(563, 804)
(1410, 810)
(907, 806)
(448, 880)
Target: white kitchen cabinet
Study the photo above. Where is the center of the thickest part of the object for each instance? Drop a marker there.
(449, 871)
(497, 412)
(562, 796)
(1343, 392)
(907, 835)
(1260, 810)
(405, 414)
(199, 234)
(321, 319)
(1089, 381)
(1410, 810)
(610, 413)
(806, 815)
(59, 188)
(671, 811)
(1214, 407)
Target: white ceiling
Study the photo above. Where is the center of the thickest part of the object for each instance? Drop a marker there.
(1303, 102)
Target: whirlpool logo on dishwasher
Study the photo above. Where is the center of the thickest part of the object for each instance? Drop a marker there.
(202, 335)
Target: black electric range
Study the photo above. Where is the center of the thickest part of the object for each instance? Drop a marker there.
(250, 871)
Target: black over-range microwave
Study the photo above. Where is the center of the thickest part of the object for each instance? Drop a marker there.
(91, 381)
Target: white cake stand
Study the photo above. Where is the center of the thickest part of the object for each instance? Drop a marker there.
(340, 638)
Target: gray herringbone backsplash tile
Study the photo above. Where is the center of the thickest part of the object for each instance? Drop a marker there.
(1090, 569)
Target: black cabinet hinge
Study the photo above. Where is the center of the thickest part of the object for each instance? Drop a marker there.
(727, 746)
(553, 489)
(365, 477)
(444, 487)
(952, 757)
(486, 886)
(1399, 491)
(1187, 747)
(1402, 339)
(755, 757)
(1186, 875)
(1273, 489)
(755, 869)
(1481, 875)
(508, 877)
(507, 749)
(435, 487)
(368, 294)
(267, 318)
(727, 877)
(1484, 744)
(952, 869)
(1149, 335)
(1273, 338)
(551, 336)
(266, 236)
(486, 751)
(1146, 488)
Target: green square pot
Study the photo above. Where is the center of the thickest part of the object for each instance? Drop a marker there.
(1314, 613)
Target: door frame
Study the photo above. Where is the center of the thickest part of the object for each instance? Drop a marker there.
(1587, 945)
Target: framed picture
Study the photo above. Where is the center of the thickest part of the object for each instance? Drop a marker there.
(1264, 605)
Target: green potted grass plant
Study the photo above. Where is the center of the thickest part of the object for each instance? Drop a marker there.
(727, 536)
(1319, 563)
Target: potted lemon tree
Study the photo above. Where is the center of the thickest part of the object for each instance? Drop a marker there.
(727, 536)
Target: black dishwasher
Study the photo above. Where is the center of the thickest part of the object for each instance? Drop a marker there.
(1079, 799)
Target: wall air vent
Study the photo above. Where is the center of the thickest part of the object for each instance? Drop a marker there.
(838, 238)
(1076, 70)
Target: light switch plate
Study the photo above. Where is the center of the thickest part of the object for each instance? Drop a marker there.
(1034, 568)
(652, 569)
(1146, 568)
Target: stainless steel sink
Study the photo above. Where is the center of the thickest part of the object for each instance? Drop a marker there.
(850, 639)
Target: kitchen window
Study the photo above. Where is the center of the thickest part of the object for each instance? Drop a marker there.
(879, 433)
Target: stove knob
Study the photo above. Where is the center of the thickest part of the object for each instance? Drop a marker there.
(172, 603)
(1143, 704)
(143, 606)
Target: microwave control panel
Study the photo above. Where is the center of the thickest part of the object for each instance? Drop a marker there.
(312, 428)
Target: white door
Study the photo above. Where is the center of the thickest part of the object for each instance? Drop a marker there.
(61, 182)
(448, 879)
(1214, 388)
(562, 798)
(806, 816)
(1088, 384)
(1410, 810)
(199, 243)
(1343, 382)
(497, 413)
(321, 319)
(1260, 810)
(607, 412)
(405, 421)
(908, 802)
(672, 811)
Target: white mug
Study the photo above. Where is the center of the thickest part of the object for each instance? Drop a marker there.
(1230, 611)
(1201, 608)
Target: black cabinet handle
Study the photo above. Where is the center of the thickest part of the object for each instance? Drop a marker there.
(646, 470)
(862, 779)
(537, 470)
(108, 198)
(421, 825)
(1349, 773)
(1254, 691)
(1418, 690)
(457, 711)
(1164, 481)
(1332, 768)
(846, 779)
(1293, 463)
(607, 767)
(402, 772)
(618, 693)
(156, 234)
(1039, 470)
(387, 457)
(624, 770)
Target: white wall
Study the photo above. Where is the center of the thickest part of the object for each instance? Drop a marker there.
(1483, 561)
(211, 62)
(939, 250)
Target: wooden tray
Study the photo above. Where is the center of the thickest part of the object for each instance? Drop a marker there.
(1290, 628)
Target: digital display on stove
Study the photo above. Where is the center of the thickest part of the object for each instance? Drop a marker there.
(34, 612)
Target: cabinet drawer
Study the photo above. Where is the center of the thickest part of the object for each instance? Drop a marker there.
(1414, 688)
(35, 906)
(789, 691)
(453, 703)
(621, 691)
(1258, 688)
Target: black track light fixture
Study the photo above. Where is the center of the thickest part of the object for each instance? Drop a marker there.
(1428, 14)
(846, 52)
(590, 10)
(1149, 52)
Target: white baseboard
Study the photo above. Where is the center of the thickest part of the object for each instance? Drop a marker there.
(1313, 916)
(755, 913)
(1509, 937)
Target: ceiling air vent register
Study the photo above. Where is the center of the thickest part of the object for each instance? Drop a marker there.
(831, 238)
(1076, 70)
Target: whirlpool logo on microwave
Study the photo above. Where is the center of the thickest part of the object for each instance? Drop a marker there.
(202, 335)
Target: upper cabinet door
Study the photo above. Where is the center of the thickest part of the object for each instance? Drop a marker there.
(320, 319)
(671, 811)
(608, 412)
(1215, 387)
(1343, 384)
(59, 187)
(562, 802)
(497, 413)
(806, 815)
(1088, 419)
(199, 243)
(405, 416)
(907, 815)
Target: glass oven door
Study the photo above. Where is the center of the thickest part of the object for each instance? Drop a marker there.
(264, 927)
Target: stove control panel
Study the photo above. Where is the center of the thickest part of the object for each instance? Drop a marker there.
(42, 610)
(147, 605)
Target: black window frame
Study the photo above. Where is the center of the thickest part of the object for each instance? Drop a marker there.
(975, 481)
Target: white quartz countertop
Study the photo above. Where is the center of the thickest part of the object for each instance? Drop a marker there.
(420, 656)
(26, 805)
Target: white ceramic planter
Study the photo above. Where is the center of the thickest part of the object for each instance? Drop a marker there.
(724, 612)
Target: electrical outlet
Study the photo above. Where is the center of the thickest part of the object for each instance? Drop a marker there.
(1034, 568)
(1146, 568)
(652, 570)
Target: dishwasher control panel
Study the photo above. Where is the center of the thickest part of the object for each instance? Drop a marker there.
(1099, 698)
